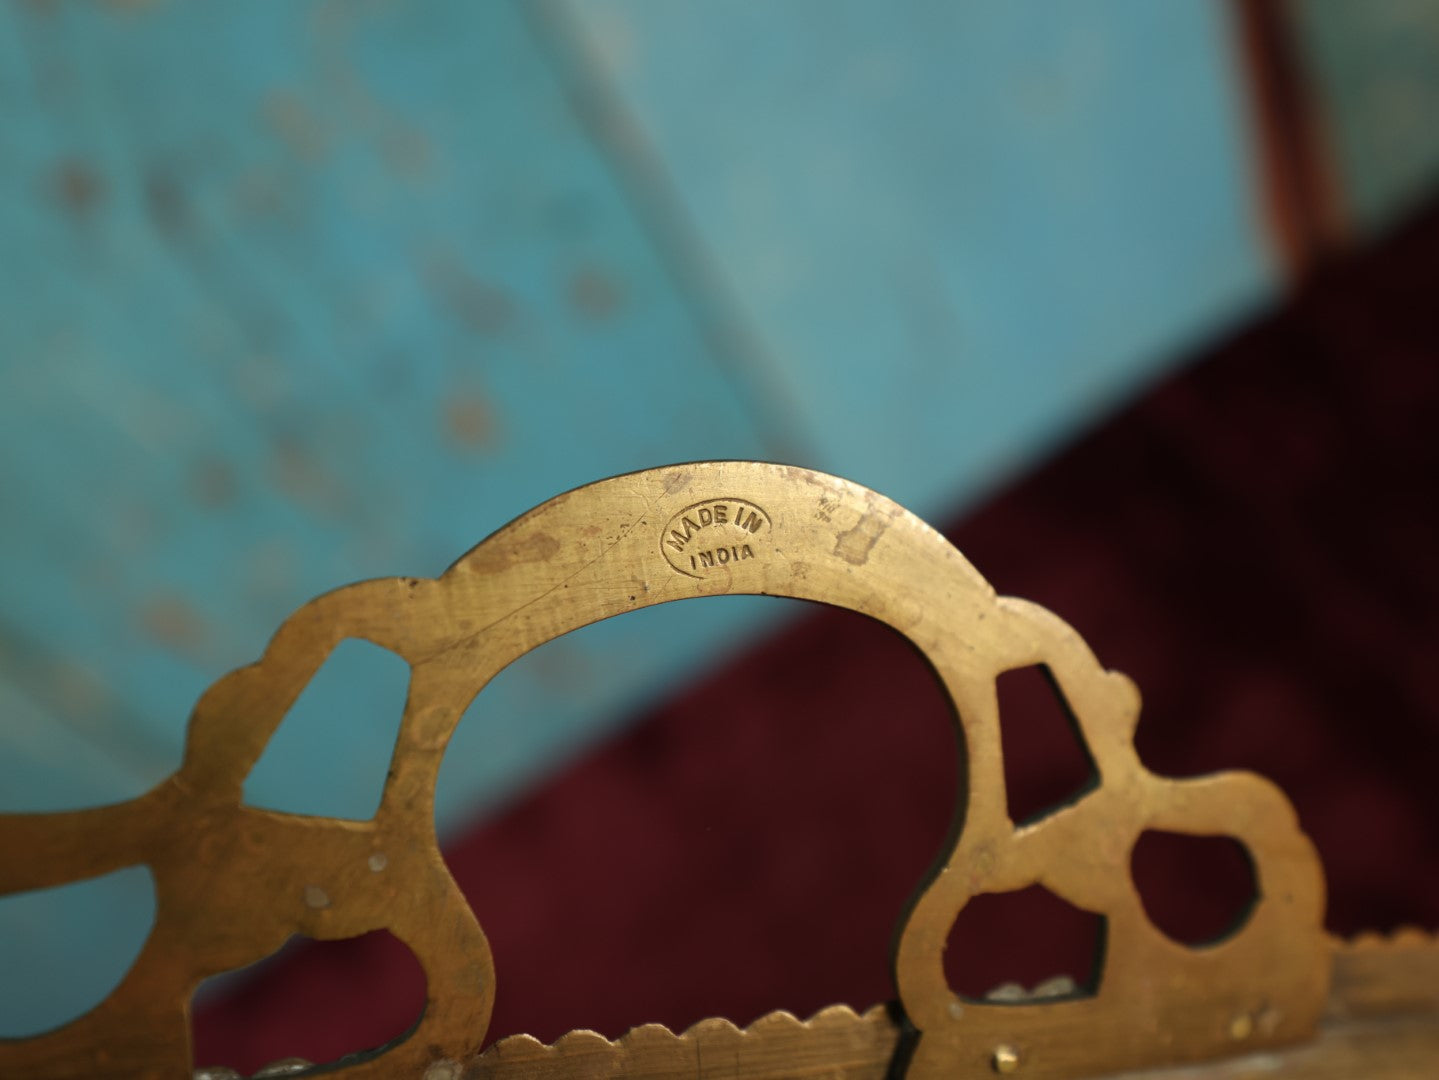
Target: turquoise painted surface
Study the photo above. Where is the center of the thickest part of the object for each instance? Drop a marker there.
(49, 923)
(976, 224)
(363, 298)
(296, 295)
(1375, 67)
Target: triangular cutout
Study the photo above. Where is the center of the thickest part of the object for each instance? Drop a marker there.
(331, 753)
(1046, 762)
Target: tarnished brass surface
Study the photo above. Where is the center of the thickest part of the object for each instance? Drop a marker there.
(233, 882)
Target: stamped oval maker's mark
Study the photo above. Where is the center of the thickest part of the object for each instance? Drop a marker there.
(711, 535)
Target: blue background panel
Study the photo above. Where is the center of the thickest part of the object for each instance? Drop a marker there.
(295, 295)
(267, 352)
(979, 225)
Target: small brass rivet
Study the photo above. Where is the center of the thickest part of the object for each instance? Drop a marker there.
(316, 897)
(956, 1010)
(1005, 1060)
(378, 861)
(1241, 1027)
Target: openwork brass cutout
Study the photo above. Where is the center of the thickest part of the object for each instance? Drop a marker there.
(234, 882)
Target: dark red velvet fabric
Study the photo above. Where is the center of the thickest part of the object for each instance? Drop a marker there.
(1256, 541)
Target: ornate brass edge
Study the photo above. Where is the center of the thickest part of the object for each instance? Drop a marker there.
(834, 1042)
(234, 882)
(1401, 937)
(1390, 977)
(1378, 975)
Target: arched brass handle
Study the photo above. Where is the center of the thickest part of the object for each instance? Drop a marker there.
(234, 881)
